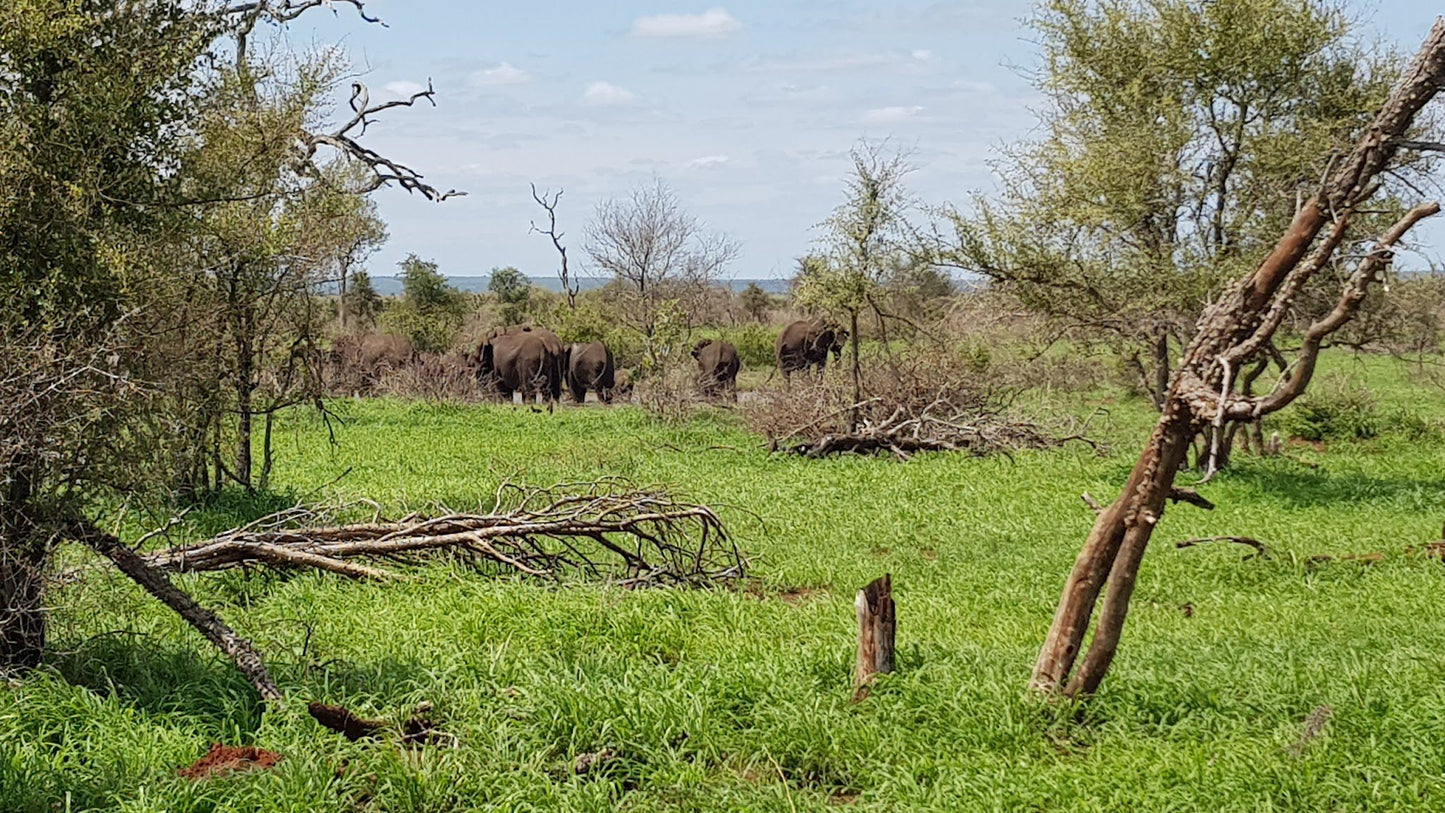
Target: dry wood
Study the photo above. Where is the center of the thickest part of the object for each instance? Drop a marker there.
(877, 623)
(1259, 546)
(1233, 333)
(153, 581)
(599, 530)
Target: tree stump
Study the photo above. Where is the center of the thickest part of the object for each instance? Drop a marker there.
(876, 626)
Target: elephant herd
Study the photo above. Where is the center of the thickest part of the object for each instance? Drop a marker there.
(533, 361)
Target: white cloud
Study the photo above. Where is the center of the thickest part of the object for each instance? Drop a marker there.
(708, 161)
(971, 86)
(891, 115)
(922, 54)
(715, 22)
(503, 74)
(606, 94)
(838, 63)
(403, 89)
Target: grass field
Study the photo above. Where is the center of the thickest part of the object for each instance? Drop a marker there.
(740, 700)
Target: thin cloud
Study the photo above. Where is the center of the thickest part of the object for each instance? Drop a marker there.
(503, 74)
(891, 115)
(606, 94)
(922, 54)
(707, 161)
(715, 22)
(403, 89)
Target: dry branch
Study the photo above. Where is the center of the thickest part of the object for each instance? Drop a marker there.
(602, 531)
(1258, 546)
(1233, 332)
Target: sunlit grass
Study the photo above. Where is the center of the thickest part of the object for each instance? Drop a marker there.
(723, 700)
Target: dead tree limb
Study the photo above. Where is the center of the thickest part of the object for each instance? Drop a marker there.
(154, 581)
(548, 201)
(601, 531)
(1258, 546)
(1232, 332)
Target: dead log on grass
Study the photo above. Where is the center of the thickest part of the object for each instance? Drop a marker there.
(599, 531)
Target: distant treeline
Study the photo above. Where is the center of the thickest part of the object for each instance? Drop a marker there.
(391, 286)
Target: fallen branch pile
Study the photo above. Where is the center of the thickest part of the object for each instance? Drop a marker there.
(904, 434)
(596, 531)
(604, 530)
(927, 400)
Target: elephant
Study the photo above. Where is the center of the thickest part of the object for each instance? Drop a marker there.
(524, 359)
(717, 364)
(804, 345)
(590, 367)
(362, 360)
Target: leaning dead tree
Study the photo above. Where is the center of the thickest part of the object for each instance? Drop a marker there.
(600, 531)
(1204, 391)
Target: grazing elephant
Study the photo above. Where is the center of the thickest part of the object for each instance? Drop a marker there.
(717, 364)
(805, 344)
(590, 367)
(524, 359)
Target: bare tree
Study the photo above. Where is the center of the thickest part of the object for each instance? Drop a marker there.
(548, 201)
(1232, 333)
(661, 257)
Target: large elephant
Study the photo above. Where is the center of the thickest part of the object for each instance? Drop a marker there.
(717, 365)
(521, 359)
(806, 344)
(359, 362)
(590, 367)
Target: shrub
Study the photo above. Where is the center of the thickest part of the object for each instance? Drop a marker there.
(1342, 409)
(756, 344)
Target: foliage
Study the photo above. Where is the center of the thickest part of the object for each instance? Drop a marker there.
(660, 258)
(1341, 408)
(1228, 656)
(1177, 138)
(756, 345)
(756, 302)
(512, 290)
(362, 300)
(431, 310)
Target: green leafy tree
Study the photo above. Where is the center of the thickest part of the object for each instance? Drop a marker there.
(513, 290)
(1178, 139)
(756, 302)
(860, 240)
(431, 309)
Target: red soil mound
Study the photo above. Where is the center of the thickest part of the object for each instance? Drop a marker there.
(225, 759)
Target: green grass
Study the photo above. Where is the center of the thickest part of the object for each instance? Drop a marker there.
(740, 701)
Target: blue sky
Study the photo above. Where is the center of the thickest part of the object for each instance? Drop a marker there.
(747, 109)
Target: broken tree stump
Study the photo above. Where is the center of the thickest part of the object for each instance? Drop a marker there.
(877, 624)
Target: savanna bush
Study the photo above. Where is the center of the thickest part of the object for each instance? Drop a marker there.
(755, 344)
(1341, 408)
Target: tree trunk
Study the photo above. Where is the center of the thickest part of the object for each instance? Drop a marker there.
(1232, 332)
(857, 372)
(877, 626)
(23, 559)
(1161, 366)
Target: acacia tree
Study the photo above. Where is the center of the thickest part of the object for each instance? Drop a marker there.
(102, 109)
(660, 257)
(859, 246)
(1178, 139)
(1232, 333)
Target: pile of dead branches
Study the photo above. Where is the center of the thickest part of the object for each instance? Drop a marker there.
(598, 531)
(925, 402)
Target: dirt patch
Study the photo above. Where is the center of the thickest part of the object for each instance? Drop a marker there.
(881, 551)
(929, 553)
(798, 595)
(222, 760)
